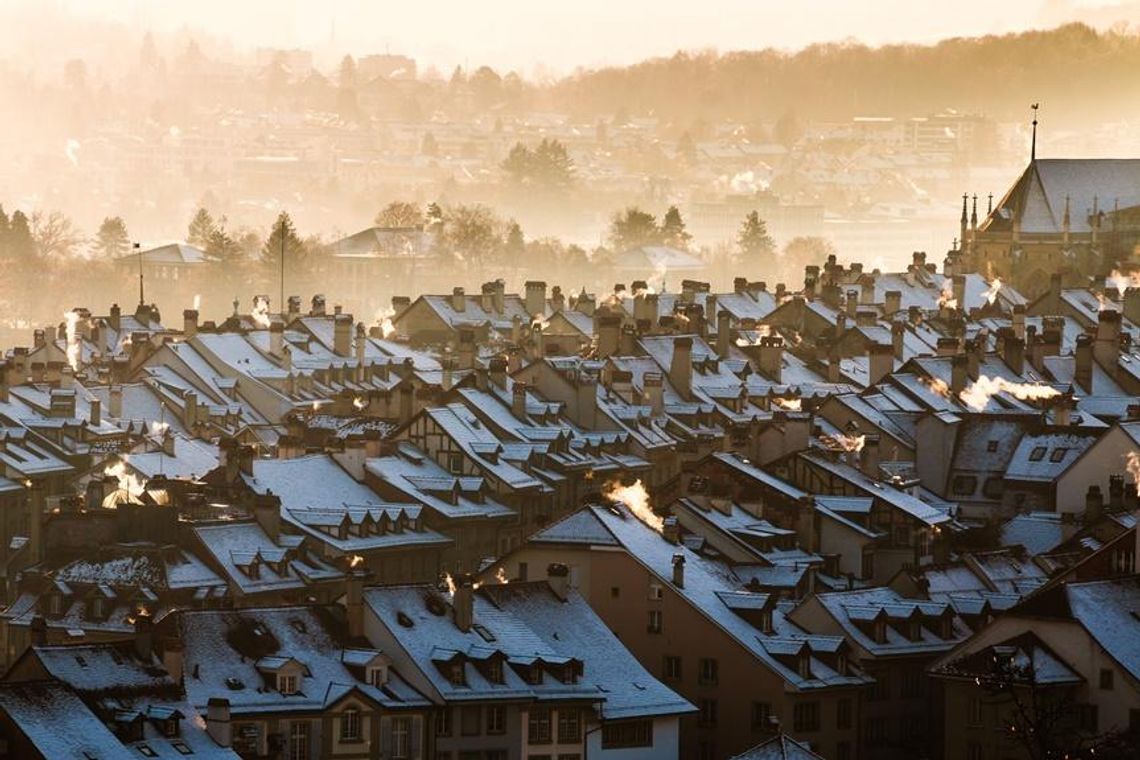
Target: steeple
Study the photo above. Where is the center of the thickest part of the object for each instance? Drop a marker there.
(974, 215)
(1033, 143)
(965, 219)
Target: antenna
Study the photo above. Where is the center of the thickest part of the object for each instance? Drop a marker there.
(281, 302)
(1033, 144)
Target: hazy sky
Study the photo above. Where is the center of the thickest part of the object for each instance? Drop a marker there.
(567, 33)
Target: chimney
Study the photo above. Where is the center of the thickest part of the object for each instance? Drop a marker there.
(959, 372)
(1115, 492)
(116, 402)
(189, 323)
(144, 637)
(557, 300)
(218, 721)
(463, 602)
(558, 576)
(770, 357)
(539, 341)
(342, 334)
(276, 338)
(609, 331)
(487, 298)
(892, 303)
(1132, 305)
(458, 300)
(95, 413)
(880, 362)
(1013, 352)
(723, 333)
(38, 631)
(319, 308)
(1083, 357)
(627, 341)
(466, 352)
(1106, 349)
(174, 659)
(354, 602)
(869, 457)
(867, 290)
(407, 401)
(898, 340)
(518, 399)
(267, 512)
(1063, 410)
(361, 345)
(116, 317)
(671, 530)
(681, 367)
(1094, 505)
(168, 442)
(497, 371)
(851, 305)
(1017, 320)
(654, 392)
(293, 308)
(958, 283)
(679, 570)
(535, 297)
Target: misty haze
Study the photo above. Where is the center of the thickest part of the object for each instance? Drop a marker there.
(533, 381)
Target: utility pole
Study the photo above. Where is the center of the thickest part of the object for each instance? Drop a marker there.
(138, 251)
(281, 302)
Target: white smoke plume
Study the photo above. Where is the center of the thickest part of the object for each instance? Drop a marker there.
(73, 346)
(991, 292)
(260, 313)
(636, 499)
(979, 393)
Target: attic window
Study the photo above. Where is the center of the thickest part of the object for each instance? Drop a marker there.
(286, 684)
(482, 631)
(1058, 454)
(1037, 454)
(992, 446)
(455, 673)
(376, 676)
(964, 485)
(805, 665)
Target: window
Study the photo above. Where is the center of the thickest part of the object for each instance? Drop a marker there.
(843, 714)
(655, 591)
(286, 684)
(707, 717)
(455, 463)
(913, 681)
(376, 676)
(401, 737)
(443, 722)
(455, 673)
(974, 751)
(1106, 679)
(974, 712)
(876, 730)
(761, 716)
(569, 726)
(672, 668)
(632, 733)
(615, 592)
(1037, 454)
(470, 720)
(496, 719)
(299, 740)
(991, 446)
(1058, 454)
(708, 672)
(881, 688)
(538, 725)
(805, 716)
(964, 485)
(350, 725)
(843, 751)
(655, 621)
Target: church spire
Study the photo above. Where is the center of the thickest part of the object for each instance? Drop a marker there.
(1033, 143)
(974, 214)
(965, 219)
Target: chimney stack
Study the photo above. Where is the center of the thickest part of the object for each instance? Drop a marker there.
(276, 338)
(518, 399)
(342, 335)
(723, 333)
(144, 637)
(354, 601)
(218, 721)
(535, 298)
(189, 323)
(1094, 505)
(463, 602)
(679, 570)
(609, 332)
(654, 392)
(880, 362)
(558, 576)
(1083, 355)
(458, 300)
(671, 530)
(770, 357)
(681, 367)
(959, 372)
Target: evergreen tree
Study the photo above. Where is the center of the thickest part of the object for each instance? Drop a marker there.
(201, 228)
(673, 230)
(633, 228)
(5, 226)
(514, 245)
(687, 149)
(112, 241)
(21, 244)
(754, 242)
(283, 235)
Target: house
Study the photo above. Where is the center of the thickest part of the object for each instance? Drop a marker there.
(522, 669)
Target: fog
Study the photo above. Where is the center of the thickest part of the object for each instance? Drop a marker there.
(515, 140)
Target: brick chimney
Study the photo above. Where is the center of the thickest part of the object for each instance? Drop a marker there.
(723, 333)
(770, 357)
(671, 530)
(654, 392)
(892, 302)
(458, 300)
(144, 637)
(189, 323)
(681, 367)
(679, 570)
(276, 338)
(466, 353)
(1106, 348)
(959, 373)
(1083, 358)
(1094, 505)
(354, 601)
(267, 512)
(609, 333)
(342, 335)
(518, 399)
(318, 306)
(880, 362)
(869, 457)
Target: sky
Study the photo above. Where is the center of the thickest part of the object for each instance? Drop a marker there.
(533, 36)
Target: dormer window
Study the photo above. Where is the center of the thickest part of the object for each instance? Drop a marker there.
(286, 683)
(376, 676)
(841, 664)
(455, 674)
(804, 665)
(915, 628)
(534, 674)
(55, 604)
(766, 621)
(171, 727)
(947, 627)
(494, 670)
(880, 631)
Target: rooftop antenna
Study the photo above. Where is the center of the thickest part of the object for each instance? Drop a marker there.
(138, 251)
(281, 302)
(1033, 143)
